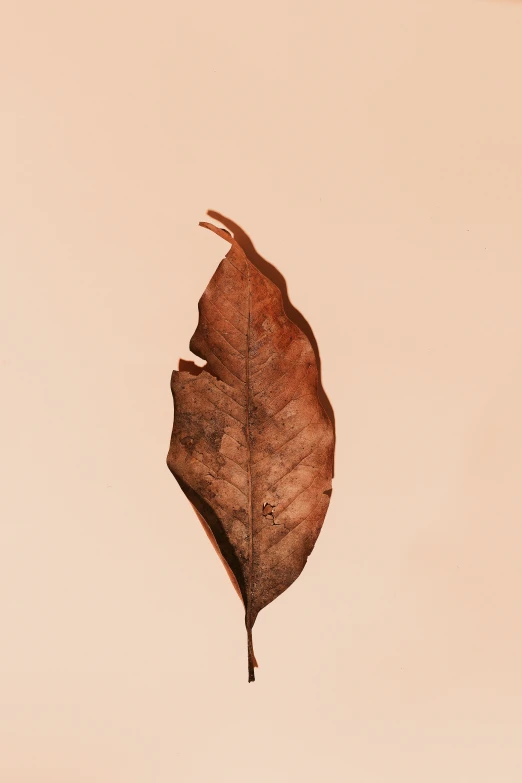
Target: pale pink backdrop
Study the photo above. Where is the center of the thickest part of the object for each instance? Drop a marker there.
(373, 152)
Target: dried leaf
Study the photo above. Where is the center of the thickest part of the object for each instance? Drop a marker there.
(251, 446)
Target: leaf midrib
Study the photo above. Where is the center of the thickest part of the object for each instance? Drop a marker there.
(250, 587)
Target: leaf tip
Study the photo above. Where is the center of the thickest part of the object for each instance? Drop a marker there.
(221, 232)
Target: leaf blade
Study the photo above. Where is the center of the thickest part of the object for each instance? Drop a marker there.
(250, 433)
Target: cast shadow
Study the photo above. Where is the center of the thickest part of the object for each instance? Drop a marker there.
(273, 274)
(187, 365)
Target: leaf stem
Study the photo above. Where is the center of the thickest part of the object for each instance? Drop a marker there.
(250, 580)
(251, 657)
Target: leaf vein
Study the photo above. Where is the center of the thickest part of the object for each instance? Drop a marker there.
(209, 299)
(287, 532)
(229, 302)
(227, 368)
(227, 413)
(225, 339)
(282, 446)
(297, 464)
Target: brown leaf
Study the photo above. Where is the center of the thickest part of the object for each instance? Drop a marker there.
(251, 446)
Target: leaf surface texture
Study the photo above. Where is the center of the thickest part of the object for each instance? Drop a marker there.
(251, 446)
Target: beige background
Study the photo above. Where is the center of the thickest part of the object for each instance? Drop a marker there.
(372, 151)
